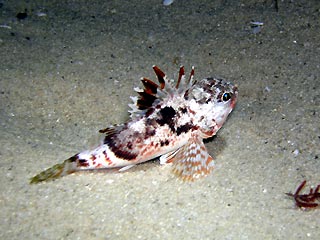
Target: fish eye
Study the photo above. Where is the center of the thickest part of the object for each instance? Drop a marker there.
(226, 96)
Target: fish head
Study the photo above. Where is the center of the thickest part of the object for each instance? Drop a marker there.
(213, 100)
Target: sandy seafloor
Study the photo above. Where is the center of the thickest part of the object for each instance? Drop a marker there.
(68, 70)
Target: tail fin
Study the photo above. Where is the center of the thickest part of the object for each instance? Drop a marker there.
(59, 170)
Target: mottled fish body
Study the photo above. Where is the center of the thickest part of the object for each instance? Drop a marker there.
(167, 120)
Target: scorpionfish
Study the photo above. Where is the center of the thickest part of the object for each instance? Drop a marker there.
(167, 120)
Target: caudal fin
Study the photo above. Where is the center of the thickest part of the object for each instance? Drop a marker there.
(59, 170)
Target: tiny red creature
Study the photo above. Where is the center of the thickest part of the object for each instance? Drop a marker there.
(307, 201)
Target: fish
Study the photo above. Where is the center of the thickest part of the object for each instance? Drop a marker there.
(168, 120)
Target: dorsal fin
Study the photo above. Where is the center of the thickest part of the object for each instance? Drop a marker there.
(111, 129)
(108, 130)
(161, 76)
(154, 93)
(181, 73)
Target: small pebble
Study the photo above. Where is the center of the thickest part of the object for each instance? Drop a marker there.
(296, 152)
(167, 2)
(256, 26)
(41, 14)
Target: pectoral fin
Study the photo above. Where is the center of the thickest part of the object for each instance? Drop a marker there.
(191, 161)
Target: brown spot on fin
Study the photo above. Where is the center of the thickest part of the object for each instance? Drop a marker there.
(149, 86)
(146, 100)
(160, 75)
(111, 130)
(190, 80)
(181, 74)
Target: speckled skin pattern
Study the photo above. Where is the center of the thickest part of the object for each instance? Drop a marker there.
(167, 120)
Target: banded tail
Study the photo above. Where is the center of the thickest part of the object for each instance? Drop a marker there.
(59, 170)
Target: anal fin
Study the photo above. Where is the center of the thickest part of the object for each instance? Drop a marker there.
(125, 168)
